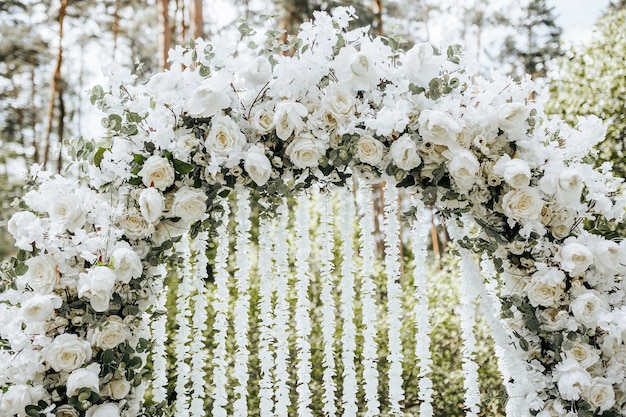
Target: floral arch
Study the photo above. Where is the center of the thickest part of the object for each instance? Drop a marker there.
(83, 301)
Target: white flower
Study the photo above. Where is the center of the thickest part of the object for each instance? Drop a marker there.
(189, 204)
(97, 286)
(609, 256)
(439, 128)
(103, 410)
(257, 165)
(135, 225)
(25, 228)
(42, 275)
(119, 388)
(370, 150)
(66, 411)
(288, 118)
(66, 210)
(110, 334)
(67, 352)
(14, 401)
(523, 204)
(587, 309)
(84, 378)
(225, 137)
(263, 120)
(546, 287)
(600, 394)
(305, 151)
(575, 258)
(40, 307)
(516, 173)
(355, 69)
(404, 154)
(555, 319)
(421, 65)
(571, 379)
(464, 169)
(210, 97)
(260, 70)
(570, 186)
(339, 102)
(585, 354)
(126, 263)
(157, 172)
(511, 115)
(151, 204)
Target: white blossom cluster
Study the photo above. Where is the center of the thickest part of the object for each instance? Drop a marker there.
(343, 104)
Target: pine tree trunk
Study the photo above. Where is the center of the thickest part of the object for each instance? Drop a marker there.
(60, 129)
(165, 37)
(196, 21)
(33, 116)
(54, 86)
(292, 14)
(378, 17)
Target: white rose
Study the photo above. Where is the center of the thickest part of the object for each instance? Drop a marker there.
(135, 225)
(600, 394)
(516, 173)
(210, 97)
(404, 154)
(522, 204)
(67, 352)
(570, 186)
(609, 256)
(584, 354)
(587, 309)
(157, 172)
(305, 151)
(127, 264)
(555, 320)
(17, 397)
(151, 204)
(66, 210)
(110, 334)
(546, 287)
(562, 222)
(263, 121)
(257, 165)
(260, 71)
(288, 118)
(339, 102)
(511, 115)
(97, 286)
(25, 228)
(189, 204)
(571, 379)
(439, 128)
(119, 388)
(370, 150)
(84, 378)
(464, 169)
(40, 307)
(225, 137)
(42, 275)
(103, 410)
(575, 258)
(421, 65)
(66, 411)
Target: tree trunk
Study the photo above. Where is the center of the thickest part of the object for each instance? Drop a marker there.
(165, 36)
(33, 114)
(377, 25)
(54, 86)
(196, 21)
(292, 14)
(61, 128)
(115, 27)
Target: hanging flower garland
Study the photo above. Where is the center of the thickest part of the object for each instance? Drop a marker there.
(302, 315)
(220, 323)
(368, 292)
(242, 302)
(159, 338)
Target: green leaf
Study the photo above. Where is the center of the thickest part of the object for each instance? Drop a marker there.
(99, 155)
(134, 181)
(21, 269)
(182, 167)
(108, 356)
(139, 158)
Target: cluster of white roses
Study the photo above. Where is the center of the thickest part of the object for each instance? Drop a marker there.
(344, 104)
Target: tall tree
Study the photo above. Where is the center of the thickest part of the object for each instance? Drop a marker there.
(196, 21)
(165, 35)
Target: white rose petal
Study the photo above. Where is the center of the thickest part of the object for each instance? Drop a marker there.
(210, 97)
(600, 394)
(40, 307)
(587, 309)
(609, 256)
(25, 228)
(523, 204)
(17, 397)
(370, 150)
(260, 71)
(135, 225)
(464, 168)
(119, 388)
(516, 173)
(421, 65)
(585, 354)
(575, 258)
(84, 378)
(189, 204)
(66, 411)
(546, 288)
(67, 352)
(42, 275)
(257, 165)
(404, 153)
(157, 172)
(97, 286)
(571, 379)
(305, 151)
(570, 186)
(66, 210)
(339, 102)
(225, 137)
(511, 115)
(103, 410)
(127, 264)
(439, 128)
(111, 333)
(288, 118)
(151, 204)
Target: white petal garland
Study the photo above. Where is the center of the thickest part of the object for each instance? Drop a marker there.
(328, 306)
(199, 325)
(468, 294)
(394, 305)
(348, 337)
(303, 319)
(266, 356)
(220, 324)
(159, 354)
(242, 303)
(181, 342)
(368, 292)
(419, 239)
(281, 310)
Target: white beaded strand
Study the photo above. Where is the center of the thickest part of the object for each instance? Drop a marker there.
(159, 354)
(220, 324)
(394, 304)
(181, 340)
(303, 306)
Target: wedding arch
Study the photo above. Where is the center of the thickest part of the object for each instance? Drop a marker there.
(83, 306)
